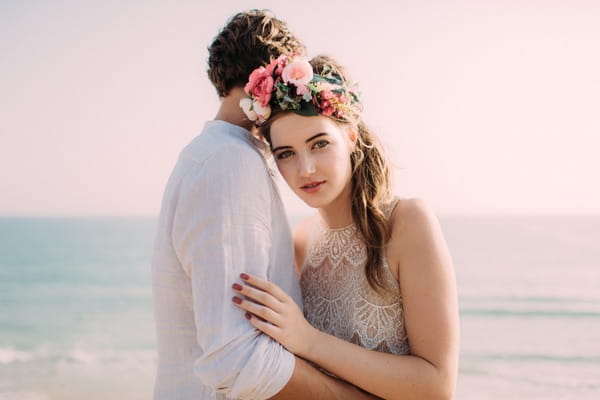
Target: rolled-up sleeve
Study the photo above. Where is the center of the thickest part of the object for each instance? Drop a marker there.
(221, 228)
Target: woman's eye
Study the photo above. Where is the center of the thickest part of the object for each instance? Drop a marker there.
(284, 154)
(320, 144)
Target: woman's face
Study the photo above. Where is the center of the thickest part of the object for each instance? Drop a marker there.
(313, 156)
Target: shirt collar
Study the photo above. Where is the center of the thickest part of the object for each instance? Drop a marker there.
(237, 130)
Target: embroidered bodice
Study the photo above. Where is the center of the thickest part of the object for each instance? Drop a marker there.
(337, 297)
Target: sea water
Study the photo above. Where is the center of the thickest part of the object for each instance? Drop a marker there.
(76, 307)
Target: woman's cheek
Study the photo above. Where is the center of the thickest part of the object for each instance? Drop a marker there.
(284, 170)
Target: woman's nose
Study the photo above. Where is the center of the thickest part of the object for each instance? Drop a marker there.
(307, 166)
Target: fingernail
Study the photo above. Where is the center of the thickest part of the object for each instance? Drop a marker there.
(237, 286)
(237, 300)
(244, 276)
(248, 315)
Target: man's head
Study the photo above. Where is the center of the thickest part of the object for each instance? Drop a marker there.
(249, 39)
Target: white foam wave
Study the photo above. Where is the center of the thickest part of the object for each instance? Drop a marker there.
(22, 396)
(78, 355)
(9, 355)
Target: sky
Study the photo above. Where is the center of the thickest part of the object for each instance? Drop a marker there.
(484, 106)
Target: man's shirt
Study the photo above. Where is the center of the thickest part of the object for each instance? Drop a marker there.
(221, 215)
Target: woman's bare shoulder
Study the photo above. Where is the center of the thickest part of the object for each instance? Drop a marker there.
(413, 227)
(411, 213)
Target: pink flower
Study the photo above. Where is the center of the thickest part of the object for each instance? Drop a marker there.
(260, 84)
(274, 64)
(305, 92)
(326, 107)
(263, 91)
(279, 64)
(253, 79)
(326, 94)
(327, 111)
(298, 72)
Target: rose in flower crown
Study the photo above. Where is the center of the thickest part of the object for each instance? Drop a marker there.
(290, 84)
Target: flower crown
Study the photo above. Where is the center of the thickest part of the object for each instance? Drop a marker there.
(290, 84)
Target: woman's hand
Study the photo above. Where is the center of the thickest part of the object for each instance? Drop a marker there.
(279, 316)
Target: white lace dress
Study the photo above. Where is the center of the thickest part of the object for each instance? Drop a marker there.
(338, 299)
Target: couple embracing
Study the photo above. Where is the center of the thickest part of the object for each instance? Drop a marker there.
(359, 303)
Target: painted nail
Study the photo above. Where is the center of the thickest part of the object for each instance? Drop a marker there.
(244, 276)
(237, 286)
(248, 315)
(237, 300)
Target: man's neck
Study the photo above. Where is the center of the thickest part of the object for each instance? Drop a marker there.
(230, 110)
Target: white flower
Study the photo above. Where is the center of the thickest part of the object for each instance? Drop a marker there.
(246, 104)
(262, 112)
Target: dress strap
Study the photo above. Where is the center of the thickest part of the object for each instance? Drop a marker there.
(388, 208)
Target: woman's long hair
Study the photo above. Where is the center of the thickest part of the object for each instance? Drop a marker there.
(370, 191)
(371, 183)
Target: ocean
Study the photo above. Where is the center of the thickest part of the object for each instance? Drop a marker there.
(76, 307)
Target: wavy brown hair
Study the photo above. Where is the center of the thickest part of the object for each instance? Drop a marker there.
(371, 181)
(248, 40)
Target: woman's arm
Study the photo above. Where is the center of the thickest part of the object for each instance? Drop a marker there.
(309, 383)
(430, 309)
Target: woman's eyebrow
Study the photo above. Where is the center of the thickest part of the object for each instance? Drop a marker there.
(315, 136)
(280, 148)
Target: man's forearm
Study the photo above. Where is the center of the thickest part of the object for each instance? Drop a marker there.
(309, 383)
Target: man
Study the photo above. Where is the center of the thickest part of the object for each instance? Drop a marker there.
(221, 215)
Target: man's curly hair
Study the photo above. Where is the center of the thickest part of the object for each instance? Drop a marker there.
(250, 39)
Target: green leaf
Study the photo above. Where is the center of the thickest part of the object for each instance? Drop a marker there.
(307, 109)
(312, 87)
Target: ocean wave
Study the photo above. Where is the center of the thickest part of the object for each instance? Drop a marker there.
(562, 372)
(563, 359)
(9, 355)
(529, 299)
(22, 396)
(542, 313)
(77, 355)
(530, 306)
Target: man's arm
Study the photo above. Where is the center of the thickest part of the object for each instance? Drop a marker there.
(309, 383)
(221, 228)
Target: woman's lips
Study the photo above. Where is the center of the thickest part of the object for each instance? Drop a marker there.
(312, 187)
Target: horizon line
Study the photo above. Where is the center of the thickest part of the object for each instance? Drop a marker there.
(439, 215)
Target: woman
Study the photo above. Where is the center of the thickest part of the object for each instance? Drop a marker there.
(376, 276)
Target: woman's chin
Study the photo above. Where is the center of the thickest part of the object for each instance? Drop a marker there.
(311, 201)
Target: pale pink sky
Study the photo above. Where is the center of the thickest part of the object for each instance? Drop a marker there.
(485, 106)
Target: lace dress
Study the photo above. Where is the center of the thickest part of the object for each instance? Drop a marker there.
(337, 297)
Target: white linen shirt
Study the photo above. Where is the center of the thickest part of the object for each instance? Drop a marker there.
(221, 215)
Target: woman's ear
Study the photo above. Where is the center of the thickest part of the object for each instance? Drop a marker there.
(352, 139)
(352, 135)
